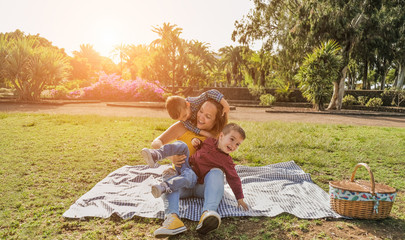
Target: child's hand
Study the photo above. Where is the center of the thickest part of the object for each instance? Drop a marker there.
(242, 204)
(196, 143)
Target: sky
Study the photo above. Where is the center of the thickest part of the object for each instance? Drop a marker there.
(108, 23)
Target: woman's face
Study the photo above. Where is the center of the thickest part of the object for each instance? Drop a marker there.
(206, 116)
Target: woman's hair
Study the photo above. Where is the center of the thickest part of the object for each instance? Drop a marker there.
(220, 121)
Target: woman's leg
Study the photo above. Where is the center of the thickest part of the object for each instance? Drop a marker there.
(171, 200)
(172, 224)
(212, 190)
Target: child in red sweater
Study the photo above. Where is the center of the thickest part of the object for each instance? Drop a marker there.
(212, 153)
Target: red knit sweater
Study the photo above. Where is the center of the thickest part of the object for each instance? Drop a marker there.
(210, 156)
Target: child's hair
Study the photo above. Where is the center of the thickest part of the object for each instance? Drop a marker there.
(235, 127)
(174, 105)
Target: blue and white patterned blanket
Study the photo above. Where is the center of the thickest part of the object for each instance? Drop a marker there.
(269, 191)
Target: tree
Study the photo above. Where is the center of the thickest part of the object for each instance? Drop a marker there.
(3, 53)
(232, 62)
(90, 58)
(399, 46)
(168, 56)
(200, 63)
(81, 69)
(137, 58)
(317, 73)
(120, 52)
(30, 69)
(294, 28)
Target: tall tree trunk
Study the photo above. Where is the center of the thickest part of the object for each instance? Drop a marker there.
(228, 79)
(341, 91)
(401, 76)
(174, 73)
(338, 91)
(365, 74)
(262, 78)
(332, 103)
(383, 74)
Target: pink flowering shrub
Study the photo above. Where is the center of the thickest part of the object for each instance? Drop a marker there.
(59, 92)
(113, 88)
(76, 94)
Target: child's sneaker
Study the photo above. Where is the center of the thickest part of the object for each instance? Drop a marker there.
(151, 156)
(159, 189)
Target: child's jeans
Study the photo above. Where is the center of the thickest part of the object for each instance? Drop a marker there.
(186, 178)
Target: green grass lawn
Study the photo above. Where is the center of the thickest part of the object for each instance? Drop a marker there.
(48, 161)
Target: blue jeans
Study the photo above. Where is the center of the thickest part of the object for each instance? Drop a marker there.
(212, 191)
(186, 176)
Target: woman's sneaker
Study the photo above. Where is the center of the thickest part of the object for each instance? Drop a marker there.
(159, 189)
(171, 226)
(210, 220)
(151, 156)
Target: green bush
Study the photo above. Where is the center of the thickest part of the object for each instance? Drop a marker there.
(397, 95)
(283, 92)
(317, 73)
(349, 100)
(374, 102)
(256, 91)
(267, 100)
(362, 100)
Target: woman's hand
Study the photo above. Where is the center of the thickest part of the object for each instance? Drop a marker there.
(242, 204)
(178, 160)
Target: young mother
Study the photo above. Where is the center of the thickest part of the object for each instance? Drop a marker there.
(209, 118)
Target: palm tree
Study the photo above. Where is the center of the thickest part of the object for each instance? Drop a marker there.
(201, 62)
(31, 68)
(137, 58)
(93, 57)
(168, 61)
(232, 61)
(317, 73)
(120, 51)
(169, 35)
(3, 53)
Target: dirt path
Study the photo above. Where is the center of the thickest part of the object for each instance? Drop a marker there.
(240, 113)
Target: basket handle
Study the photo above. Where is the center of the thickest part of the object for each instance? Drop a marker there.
(369, 171)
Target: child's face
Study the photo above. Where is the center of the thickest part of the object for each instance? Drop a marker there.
(230, 142)
(185, 113)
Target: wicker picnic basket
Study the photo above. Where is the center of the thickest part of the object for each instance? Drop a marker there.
(361, 199)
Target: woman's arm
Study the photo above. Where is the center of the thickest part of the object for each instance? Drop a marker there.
(172, 133)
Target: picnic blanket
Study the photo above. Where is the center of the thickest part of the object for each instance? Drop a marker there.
(269, 191)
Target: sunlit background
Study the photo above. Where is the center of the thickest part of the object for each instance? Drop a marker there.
(105, 23)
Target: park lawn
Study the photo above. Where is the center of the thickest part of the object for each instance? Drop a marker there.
(48, 161)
